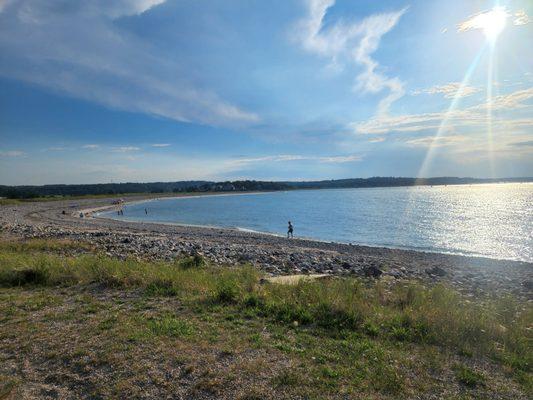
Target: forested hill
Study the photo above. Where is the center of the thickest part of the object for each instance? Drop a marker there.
(229, 186)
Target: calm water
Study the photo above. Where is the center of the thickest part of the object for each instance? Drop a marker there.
(480, 220)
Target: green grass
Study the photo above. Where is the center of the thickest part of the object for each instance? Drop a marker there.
(340, 335)
(468, 376)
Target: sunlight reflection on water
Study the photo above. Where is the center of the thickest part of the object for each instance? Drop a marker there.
(483, 220)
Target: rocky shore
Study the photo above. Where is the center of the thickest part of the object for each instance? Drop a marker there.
(274, 255)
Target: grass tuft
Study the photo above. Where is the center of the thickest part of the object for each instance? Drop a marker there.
(468, 376)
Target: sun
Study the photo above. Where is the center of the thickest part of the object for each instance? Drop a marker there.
(492, 23)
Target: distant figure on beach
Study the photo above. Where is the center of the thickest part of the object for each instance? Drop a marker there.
(290, 231)
(118, 212)
(146, 211)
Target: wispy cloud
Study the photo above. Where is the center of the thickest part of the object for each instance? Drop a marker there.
(440, 141)
(125, 149)
(12, 153)
(472, 116)
(161, 145)
(55, 148)
(449, 90)
(527, 143)
(354, 42)
(521, 18)
(483, 19)
(78, 49)
(293, 157)
(91, 146)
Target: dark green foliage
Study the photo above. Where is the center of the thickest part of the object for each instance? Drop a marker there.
(30, 192)
(226, 293)
(194, 261)
(26, 276)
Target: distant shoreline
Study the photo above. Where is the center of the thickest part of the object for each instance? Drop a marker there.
(192, 187)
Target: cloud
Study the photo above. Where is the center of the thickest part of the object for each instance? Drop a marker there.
(125, 149)
(527, 143)
(433, 141)
(469, 117)
(449, 90)
(161, 145)
(56, 149)
(12, 153)
(483, 19)
(91, 146)
(291, 157)
(352, 42)
(521, 18)
(79, 49)
(339, 159)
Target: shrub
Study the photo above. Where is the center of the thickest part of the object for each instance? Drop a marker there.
(26, 276)
(194, 261)
(226, 293)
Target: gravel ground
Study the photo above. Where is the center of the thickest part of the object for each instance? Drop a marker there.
(474, 276)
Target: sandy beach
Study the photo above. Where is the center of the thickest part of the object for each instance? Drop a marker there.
(474, 276)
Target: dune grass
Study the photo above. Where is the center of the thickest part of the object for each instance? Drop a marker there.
(363, 317)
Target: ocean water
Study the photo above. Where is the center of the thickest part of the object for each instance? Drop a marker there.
(493, 220)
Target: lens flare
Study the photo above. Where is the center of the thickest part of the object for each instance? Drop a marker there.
(492, 23)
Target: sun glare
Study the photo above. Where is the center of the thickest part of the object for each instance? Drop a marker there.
(492, 22)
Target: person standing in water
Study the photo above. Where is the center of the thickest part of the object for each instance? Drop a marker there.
(146, 211)
(290, 230)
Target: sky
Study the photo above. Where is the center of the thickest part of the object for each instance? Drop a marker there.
(101, 91)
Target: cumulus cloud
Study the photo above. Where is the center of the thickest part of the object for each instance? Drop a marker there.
(353, 42)
(79, 49)
(449, 90)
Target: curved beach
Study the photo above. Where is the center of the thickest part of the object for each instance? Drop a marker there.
(272, 254)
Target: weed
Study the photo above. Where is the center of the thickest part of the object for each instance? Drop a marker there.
(468, 376)
(170, 326)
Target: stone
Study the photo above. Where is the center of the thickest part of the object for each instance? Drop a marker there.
(372, 271)
(436, 270)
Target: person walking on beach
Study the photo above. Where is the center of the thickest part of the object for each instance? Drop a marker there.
(290, 230)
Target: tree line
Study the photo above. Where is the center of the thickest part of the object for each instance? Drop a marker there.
(28, 192)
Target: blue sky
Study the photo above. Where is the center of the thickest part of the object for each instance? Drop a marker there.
(155, 90)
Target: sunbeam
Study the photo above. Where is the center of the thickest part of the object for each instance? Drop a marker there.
(449, 113)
